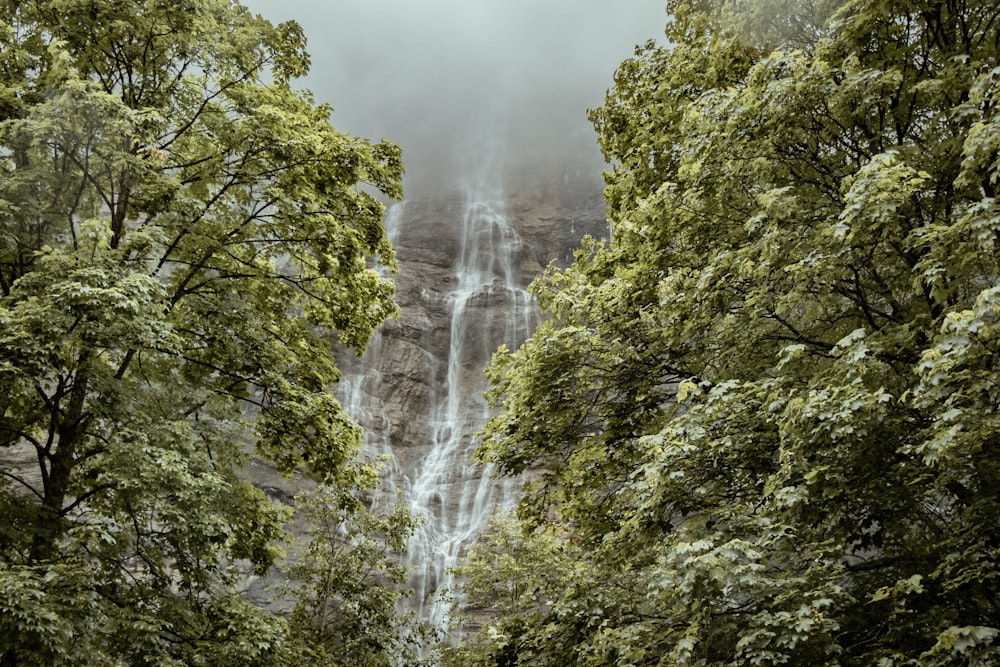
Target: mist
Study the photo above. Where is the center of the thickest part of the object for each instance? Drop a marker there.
(443, 78)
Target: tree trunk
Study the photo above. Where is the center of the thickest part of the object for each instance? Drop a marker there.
(61, 463)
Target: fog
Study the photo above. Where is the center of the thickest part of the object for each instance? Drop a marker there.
(443, 77)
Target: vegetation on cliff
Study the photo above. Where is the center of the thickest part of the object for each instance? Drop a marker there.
(184, 238)
(765, 417)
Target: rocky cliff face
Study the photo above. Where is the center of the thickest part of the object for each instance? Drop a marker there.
(465, 259)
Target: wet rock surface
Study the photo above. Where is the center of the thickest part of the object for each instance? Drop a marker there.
(410, 357)
(465, 260)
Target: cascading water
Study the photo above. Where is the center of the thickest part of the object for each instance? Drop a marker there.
(485, 276)
(485, 305)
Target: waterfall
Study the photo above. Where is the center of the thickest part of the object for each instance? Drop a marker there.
(479, 306)
(487, 308)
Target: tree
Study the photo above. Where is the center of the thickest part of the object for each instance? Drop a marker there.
(516, 575)
(349, 584)
(184, 238)
(764, 416)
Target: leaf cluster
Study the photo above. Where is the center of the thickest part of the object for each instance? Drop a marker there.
(183, 240)
(762, 419)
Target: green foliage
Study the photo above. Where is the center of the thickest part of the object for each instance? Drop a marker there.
(349, 588)
(764, 418)
(515, 575)
(184, 237)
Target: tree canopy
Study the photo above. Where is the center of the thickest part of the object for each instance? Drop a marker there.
(763, 420)
(184, 239)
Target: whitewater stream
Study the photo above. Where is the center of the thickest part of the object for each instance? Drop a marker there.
(486, 306)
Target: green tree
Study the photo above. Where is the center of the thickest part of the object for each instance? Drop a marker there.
(510, 573)
(765, 417)
(184, 237)
(349, 584)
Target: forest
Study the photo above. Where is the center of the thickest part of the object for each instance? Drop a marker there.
(761, 420)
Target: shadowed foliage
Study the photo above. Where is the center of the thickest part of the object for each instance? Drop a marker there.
(763, 418)
(183, 238)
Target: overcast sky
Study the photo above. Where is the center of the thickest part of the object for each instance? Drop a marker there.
(439, 76)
